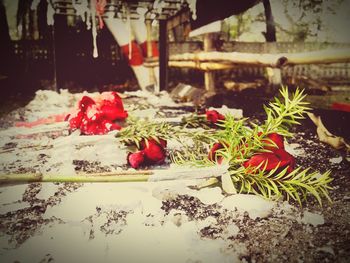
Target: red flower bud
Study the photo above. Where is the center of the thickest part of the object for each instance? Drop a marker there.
(212, 156)
(154, 151)
(213, 116)
(136, 159)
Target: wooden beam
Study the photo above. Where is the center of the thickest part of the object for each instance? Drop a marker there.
(163, 55)
(182, 17)
(326, 56)
(272, 60)
(205, 66)
(209, 76)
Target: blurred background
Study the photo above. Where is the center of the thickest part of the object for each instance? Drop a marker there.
(48, 45)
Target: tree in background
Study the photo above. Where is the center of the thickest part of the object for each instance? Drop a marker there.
(305, 18)
(295, 21)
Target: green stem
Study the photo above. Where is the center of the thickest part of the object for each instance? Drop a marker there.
(134, 176)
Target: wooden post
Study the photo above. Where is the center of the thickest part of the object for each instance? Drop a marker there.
(163, 54)
(209, 77)
(148, 23)
(274, 75)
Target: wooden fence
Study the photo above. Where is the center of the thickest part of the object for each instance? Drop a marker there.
(339, 72)
(38, 57)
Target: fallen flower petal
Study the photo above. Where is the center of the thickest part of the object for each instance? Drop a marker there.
(96, 117)
(286, 159)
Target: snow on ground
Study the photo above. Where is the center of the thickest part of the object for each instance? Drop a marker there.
(162, 221)
(131, 222)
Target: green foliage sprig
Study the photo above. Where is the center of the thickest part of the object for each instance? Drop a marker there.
(139, 129)
(240, 141)
(282, 114)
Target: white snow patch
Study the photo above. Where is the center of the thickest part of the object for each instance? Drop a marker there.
(145, 114)
(224, 110)
(256, 206)
(47, 190)
(5, 208)
(294, 149)
(336, 160)
(209, 196)
(312, 218)
(9, 194)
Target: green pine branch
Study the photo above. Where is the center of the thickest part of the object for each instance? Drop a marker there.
(297, 185)
(241, 141)
(139, 129)
(281, 114)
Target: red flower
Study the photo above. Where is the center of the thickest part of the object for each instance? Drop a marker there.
(154, 151)
(212, 156)
(277, 139)
(96, 117)
(136, 159)
(279, 159)
(213, 116)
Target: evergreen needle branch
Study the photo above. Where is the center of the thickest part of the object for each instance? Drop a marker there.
(297, 185)
(139, 129)
(282, 114)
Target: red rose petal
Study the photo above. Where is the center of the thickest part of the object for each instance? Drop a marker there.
(286, 159)
(75, 122)
(270, 160)
(212, 153)
(95, 118)
(279, 159)
(213, 116)
(110, 126)
(113, 113)
(136, 159)
(277, 139)
(85, 102)
(154, 152)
